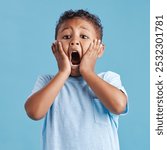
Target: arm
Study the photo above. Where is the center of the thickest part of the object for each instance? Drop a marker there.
(112, 98)
(39, 103)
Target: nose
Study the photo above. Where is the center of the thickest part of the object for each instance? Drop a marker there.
(74, 42)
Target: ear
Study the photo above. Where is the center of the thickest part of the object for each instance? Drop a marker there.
(101, 51)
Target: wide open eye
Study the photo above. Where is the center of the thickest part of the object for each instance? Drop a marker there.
(75, 58)
(66, 36)
(84, 36)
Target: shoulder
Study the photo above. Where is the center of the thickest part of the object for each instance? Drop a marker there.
(42, 80)
(45, 78)
(108, 75)
(112, 78)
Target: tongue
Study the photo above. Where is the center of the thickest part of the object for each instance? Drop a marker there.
(75, 58)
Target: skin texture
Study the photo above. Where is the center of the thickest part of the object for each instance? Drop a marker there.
(79, 35)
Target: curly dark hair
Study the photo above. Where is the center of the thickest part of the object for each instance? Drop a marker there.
(70, 14)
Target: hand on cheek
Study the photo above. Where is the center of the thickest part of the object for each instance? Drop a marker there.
(89, 59)
(62, 59)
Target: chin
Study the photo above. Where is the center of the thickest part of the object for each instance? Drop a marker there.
(75, 73)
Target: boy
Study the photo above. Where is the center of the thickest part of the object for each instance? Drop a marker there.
(81, 109)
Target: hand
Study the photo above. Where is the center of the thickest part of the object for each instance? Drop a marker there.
(89, 59)
(62, 59)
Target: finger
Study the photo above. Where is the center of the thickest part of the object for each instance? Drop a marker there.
(90, 47)
(54, 47)
(100, 51)
(98, 45)
(61, 51)
(55, 52)
(94, 44)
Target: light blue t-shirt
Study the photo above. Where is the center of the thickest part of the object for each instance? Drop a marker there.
(77, 120)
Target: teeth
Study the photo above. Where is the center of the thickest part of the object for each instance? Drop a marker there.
(74, 66)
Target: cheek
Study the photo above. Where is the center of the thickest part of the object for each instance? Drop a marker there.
(85, 46)
(65, 46)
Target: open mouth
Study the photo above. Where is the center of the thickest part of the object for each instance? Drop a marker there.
(75, 58)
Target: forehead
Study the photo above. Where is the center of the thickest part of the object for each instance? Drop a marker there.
(78, 23)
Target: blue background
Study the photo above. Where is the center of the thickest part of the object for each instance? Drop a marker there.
(26, 34)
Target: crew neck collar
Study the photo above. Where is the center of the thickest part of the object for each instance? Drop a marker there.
(79, 78)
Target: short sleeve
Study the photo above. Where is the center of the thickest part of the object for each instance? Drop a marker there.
(42, 80)
(114, 79)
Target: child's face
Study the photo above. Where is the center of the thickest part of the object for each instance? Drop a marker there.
(76, 35)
